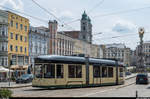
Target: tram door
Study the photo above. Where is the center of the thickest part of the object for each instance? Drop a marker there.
(96, 75)
(60, 75)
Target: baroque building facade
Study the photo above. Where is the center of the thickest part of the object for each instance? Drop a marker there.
(3, 38)
(14, 41)
(38, 42)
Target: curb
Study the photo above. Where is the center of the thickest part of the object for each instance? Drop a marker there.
(125, 85)
(16, 87)
(130, 77)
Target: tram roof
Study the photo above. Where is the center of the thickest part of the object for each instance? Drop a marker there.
(73, 59)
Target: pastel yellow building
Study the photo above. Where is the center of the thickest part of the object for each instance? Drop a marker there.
(18, 43)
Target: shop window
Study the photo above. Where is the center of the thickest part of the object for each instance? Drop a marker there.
(110, 71)
(96, 71)
(60, 71)
(75, 71)
(104, 71)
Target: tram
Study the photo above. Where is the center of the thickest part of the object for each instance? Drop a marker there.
(54, 71)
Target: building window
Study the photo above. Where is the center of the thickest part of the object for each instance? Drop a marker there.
(11, 48)
(60, 71)
(11, 34)
(75, 71)
(16, 48)
(84, 28)
(21, 37)
(25, 28)
(21, 27)
(26, 60)
(11, 23)
(16, 25)
(25, 49)
(96, 71)
(13, 59)
(110, 71)
(25, 39)
(104, 71)
(16, 36)
(21, 49)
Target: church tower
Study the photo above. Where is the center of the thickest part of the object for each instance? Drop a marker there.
(86, 28)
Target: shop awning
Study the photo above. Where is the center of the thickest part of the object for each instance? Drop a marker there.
(3, 69)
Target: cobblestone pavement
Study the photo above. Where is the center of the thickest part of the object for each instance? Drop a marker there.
(13, 84)
(75, 92)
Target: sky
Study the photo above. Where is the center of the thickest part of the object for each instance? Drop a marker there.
(111, 17)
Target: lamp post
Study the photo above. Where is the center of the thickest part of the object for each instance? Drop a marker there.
(141, 62)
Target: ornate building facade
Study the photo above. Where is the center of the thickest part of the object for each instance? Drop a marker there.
(38, 42)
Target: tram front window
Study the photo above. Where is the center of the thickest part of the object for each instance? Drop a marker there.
(50, 71)
(38, 71)
(45, 71)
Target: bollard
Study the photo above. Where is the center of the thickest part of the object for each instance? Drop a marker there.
(136, 93)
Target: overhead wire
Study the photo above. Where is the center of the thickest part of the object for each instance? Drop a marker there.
(39, 19)
(119, 12)
(100, 3)
(53, 15)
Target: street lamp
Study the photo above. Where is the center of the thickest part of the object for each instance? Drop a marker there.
(141, 33)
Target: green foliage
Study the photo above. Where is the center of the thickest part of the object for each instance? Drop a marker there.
(5, 93)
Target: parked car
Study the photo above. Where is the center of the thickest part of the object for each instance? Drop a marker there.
(142, 79)
(128, 73)
(26, 78)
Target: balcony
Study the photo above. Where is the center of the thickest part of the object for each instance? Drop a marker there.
(3, 38)
(3, 23)
(5, 53)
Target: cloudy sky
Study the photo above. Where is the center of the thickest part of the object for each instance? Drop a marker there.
(118, 20)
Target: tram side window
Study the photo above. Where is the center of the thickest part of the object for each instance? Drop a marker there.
(60, 71)
(110, 71)
(50, 71)
(75, 71)
(78, 72)
(96, 72)
(104, 71)
(121, 72)
(71, 71)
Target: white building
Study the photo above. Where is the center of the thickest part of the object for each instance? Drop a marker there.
(119, 52)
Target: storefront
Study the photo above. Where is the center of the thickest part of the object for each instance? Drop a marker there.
(4, 74)
(19, 70)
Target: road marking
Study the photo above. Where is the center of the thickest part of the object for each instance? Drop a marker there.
(95, 93)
